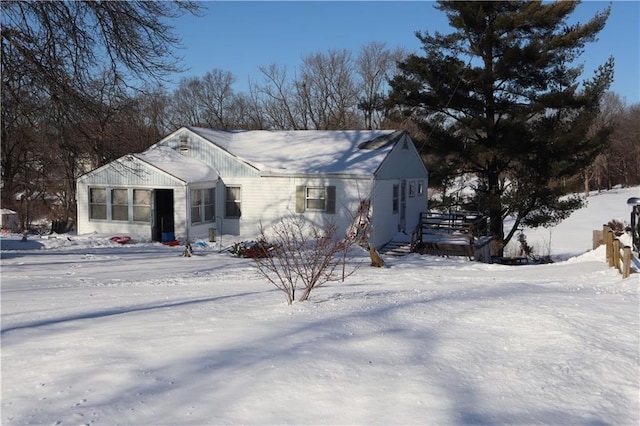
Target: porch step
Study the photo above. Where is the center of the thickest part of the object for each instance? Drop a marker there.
(396, 248)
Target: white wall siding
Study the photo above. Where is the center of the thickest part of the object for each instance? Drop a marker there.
(266, 200)
(180, 210)
(383, 219)
(82, 210)
(128, 171)
(385, 222)
(402, 162)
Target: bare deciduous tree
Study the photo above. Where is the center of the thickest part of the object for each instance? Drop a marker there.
(303, 255)
(328, 90)
(279, 100)
(375, 65)
(60, 61)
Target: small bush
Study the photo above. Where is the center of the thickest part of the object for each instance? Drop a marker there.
(301, 255)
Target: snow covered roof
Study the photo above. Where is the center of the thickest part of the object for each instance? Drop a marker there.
(184, 168)
(353, 152)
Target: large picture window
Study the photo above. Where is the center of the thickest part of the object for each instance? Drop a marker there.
(233, 204)
(120, 204)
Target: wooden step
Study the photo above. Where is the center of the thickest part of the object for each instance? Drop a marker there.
(396, 248)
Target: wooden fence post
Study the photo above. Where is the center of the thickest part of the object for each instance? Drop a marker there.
(609, 242)
(626, 262)
(616, 254)
(598, 238)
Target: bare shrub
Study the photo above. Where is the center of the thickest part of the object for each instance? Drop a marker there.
(303, 256)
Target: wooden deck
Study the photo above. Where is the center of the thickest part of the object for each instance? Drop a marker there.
(453, 234)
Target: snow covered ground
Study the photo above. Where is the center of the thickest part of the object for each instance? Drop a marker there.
(99, 333)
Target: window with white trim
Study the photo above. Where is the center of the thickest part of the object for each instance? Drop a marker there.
(316, 198)
(233, 203)
(98, 203)
(141, 205)
(120, 204)
(209, 204)
(196, 204)
(202, 205)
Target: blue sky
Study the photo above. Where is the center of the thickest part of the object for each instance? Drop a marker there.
(240, 36)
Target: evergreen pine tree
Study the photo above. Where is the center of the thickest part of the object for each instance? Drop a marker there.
(500, 98)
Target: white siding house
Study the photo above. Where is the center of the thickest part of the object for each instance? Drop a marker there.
(196, 180)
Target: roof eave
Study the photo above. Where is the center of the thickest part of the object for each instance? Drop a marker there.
(298, 175)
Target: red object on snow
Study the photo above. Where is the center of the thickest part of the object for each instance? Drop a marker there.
(172, 243)
(121, 239)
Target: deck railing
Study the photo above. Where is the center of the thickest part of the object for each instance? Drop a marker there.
(618, 254)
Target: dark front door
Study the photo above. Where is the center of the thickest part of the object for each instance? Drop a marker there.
(163, 223)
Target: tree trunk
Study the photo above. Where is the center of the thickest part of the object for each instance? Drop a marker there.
(586, 183)
(495, 213)
(376, 260)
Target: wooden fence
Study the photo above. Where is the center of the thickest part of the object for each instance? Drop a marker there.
(618, 254)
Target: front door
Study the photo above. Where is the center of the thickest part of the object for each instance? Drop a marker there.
(163, 227)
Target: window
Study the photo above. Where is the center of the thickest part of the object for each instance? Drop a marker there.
(119, 204)
(184, 144)
(97, 203)
(209, 203)
(196, 201)
(420, 187)
(202, 205)
(232, 204)
(316, 198)
(412, 189)
(395, 197)
(141, 205)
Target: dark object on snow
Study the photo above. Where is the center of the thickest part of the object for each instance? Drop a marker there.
(635, 222)
(120, 239)
(59, 227)
(251, 249)
(188, 250)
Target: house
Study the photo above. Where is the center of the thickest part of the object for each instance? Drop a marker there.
(9, 220)
(198, 181)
